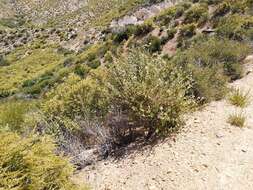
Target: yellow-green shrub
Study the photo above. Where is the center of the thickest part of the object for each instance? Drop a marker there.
(12, 115)
(30, 164)
(77, 97)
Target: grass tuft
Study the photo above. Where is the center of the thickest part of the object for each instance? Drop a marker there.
(237, 119)
(239, 98)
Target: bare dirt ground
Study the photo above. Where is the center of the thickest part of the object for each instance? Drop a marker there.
(208, 154)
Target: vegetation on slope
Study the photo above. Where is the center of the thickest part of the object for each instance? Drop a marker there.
(112, 93)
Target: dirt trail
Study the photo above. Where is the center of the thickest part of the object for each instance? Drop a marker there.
(208, 154)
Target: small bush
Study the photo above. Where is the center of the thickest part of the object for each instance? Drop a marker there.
(196, 14)
(95, 63)
(81, 70)
(12, 115)
(28, 83)
(238, 7)
(171, 33)
(68, 61)
(37, 85)
(239, 98)
(3, 61)
(124, 33)
(6, 93)
(237, 120)
(30, 163)
(209, 83)
(108, 57)
(77, 97)
(154, 44)
(221, 9)
(120, 36)
(186, 32)
(143, 29)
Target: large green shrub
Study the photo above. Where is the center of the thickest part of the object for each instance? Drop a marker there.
(212, 62)
(153, 92)
(225, 53)
(30, 164)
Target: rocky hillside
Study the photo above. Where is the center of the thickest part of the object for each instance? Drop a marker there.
(23, 21)
(40, 11)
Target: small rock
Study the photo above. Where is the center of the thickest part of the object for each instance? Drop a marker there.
(249, 59)
(219, 135)
(243, 150)
(153, 187)
(205, 165)
(196, 121)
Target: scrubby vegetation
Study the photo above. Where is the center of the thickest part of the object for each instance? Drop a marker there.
(111, 92)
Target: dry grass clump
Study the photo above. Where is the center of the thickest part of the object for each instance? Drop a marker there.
(239, 98)
(237, 119)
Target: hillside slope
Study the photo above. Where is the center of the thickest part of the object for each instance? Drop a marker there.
(6, 9)
(106, 79)
(209, 154)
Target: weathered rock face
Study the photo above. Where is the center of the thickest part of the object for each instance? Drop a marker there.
(142, 14)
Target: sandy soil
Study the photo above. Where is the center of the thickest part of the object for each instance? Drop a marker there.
(209, 154)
